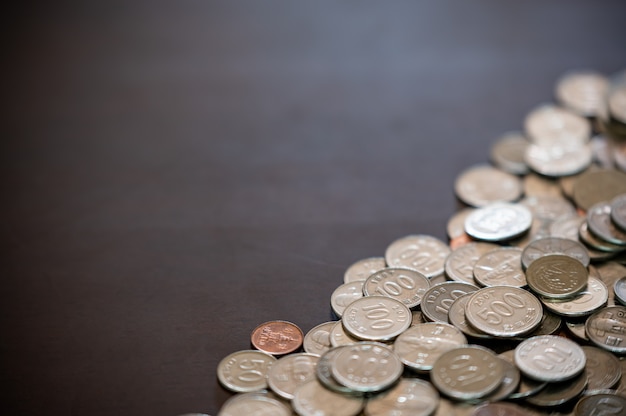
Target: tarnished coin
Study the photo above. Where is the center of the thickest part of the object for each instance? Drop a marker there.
(456, 224)
(606, 329)
(500, 267)
(618, 211)
(603, 369)
(504, 311)
(619, 288)
(482, 185)
(550, 358)
(557, 161)
(291, 371)
(550, 325)
(277, 337)
(588, 301)
(557, 276)
(257, 403)
(456, 316)
(317, 340)
(325, 375)
(417, 317)
(576, 328)
(583, 92)
(423, 253)
(600, 224)
(245, 371)
(466, 373)
(313, 399)
(501, 409)
(459, 265)
(367, 367)
(339, 336)
(597, 404)
(498, 222)
(410, 397)
(550, 125)
(376, 318)
(591, 241)
(406, 285)
(556, 394)
(507, 153)
(527, 386)
(419, 346)
(588, 191)
(554, 245)
(548, 207)
(344, 295)
(362, 269)
(438, 299)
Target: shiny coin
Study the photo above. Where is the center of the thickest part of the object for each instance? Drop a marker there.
(456, 224)
(549, 125)
(591, 241)
(456, 316)
(291, 371)
(585, 303)
(600, 224)
(500, 267)
(498, 222)
(557, 276)
(618, 211)
(439, 298)
(423, 253)
(339, 336)
(500, 409)
(257, 403)
(317, 340)
(583, 92)
(376, 318)
(325, 375)
(367, 367)
(277, 337)
(482, 185)
(557, 161)
(313, 399)
(345, 295)
(606, 329)
(527, 386)
(245, 371)
(504, 311)
(410, 397)
(597, 404)
(466, 373)
(556, 394)
(548, 208)
(550, 358)
(459, 265)
(362, 269)
(587, 192)
(554, 245)
(603, 369)
(419, 346)
(406, 285)
(507, 153)
(619, 288)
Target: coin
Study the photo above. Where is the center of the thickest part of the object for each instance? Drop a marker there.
(550, 358)
(600, 224)
(548, 207)
(556, 394)
(554, 245)
(344, 295)
(439, 298)
(362, 269)
(459, 265)
(317, 340)
(410, 397)
(339, 336)
(596, 404)
(367, 367)
(406, 285)
(244, 371)
(313, 399)
(550, 324)
(596, 243)
(257, 403)
(588, 192)
(423, 253)
(466, 373)
(606, 329)
(500, 409)
(482, 185)
(508, 386)
(324, 372)
(594, 297)
(619, 288)
(557, 276)
(550, 125)
(277, 337)
(456, 316)
(504, 311)
(535, 185)
(456, 224)
(419, 346)
(557, 161)
(603, 369)
(618, 211)
(376, 318)
(566, 227)
(527, 386)
(507, 153)
(583, 92)
(609, 273)
(498, 222)
(291, 371)
(617, 102)
(576, 328)
(500, 267)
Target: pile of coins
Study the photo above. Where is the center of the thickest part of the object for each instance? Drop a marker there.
(520, 314)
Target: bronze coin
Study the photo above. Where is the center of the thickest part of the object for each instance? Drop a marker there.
(277, 337)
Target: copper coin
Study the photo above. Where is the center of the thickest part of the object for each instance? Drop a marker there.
(277, 337)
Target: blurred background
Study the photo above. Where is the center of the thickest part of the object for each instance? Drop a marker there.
(176, 173)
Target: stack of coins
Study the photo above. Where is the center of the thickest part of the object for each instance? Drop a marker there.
(522, 312)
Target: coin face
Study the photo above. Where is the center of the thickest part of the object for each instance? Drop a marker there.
(277, 337)
(557, 276)
(459, 265)
(554, 245)
(527, 386)
(423, 253)
(245, 371)
(618, 211)
(406, 285)
(291, 371)
(412, 397)
(257, 403)
(612, 403)
(376, 318)
(550, 358)
(317, 340)
(500, 267)
(603, 369)
(548, 207)
(482, 185)
(555, 394)
(597, 243)
(592, 298)
(606, 329)
(439, 298)
(557, 161)
(619, 288)
(313, 399)
(339, 336)
(508, 386)
(498, 222)
(456, 316)
(344, 295)
(507, 153)
(601, 225)
(587, 192)
(550, 125)
(583, 92)
(324, 372)
(362, 269)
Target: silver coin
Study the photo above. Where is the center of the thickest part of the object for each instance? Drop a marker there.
(576, 328)
(603, 155)
(504, 311)
(510, 382)
(456, 316)
(313, 399)
(438, 299)
(507, 153)
(550, 325)
(618, 211)
(500, 267)
(459, 265)
(594, 297)
(339, 336)
(538, 229)
(291, 371)
(419, 346)
(376, 318)
(557, 161)
(609, 404)
(406, 285)
(501, 409)
(554, 245)
(344, 295)
(498, 222)
(609, 272)
(550, 125)
(527, 386)
(362, 269)
(410, 397)
(456, 224)
(482, 185)
(606, 329)
(603, 369)
(424, 253)
(583, 92)
(590, 240)
(600, 224)
(245, 371)
(256, 403)
(619, 288)
(556, 394)
(621, 386)
(556, 276)
(325, 375)
(317, 340)
(550, 358)
(548, 207)
(466, 373)
(566, 227)
(367, 367)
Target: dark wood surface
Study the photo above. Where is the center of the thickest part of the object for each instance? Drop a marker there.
(176, 173)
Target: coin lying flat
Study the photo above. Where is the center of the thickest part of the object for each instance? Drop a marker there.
(455, 228)
(527, 386)
(507, 153)
(406, 285)
(245, 371)
(498, 222)
(456, 316)
(606, 329)
(590, 240)
(619, 288)
(410, 397)
(588, 191)
(508, 386)
(423, 253)
(313, 399)
(500, 267)
(618, 211)
(557, 276)
(583, 92)
(603, 369)
(439, 298)
(601, 403)
(550, 125)
(500, 409)
(277, 337)
(550, 358)
(554, 245)
(344, 295)
(257, 403)
(601, 225)
(317, 340)
(594, 297)
(557, 161)
(548, 207)
(483, 185)
(324, 372)
(459, 265)
(291, 371)
(556, 394)
(376, 318)
(362, 269)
